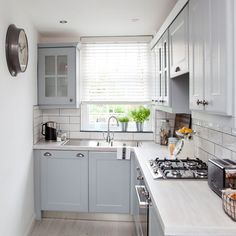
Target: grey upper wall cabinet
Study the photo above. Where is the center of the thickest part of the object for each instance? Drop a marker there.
(58, 83)
(162, 70)
(64, 180)
(171, 52)
(109, 183)
(178, 41)
(211, 55)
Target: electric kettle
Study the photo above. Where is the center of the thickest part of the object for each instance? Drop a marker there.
(49, 130)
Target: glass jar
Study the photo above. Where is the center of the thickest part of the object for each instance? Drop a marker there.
(165, 132)
(171, 145)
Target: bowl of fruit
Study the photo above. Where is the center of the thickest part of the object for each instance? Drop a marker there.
(184, 132)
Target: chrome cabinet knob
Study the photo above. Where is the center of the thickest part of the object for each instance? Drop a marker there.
(80, 155)
(205, 103)
(47, 154)
(137, 168)
(71, 100)
(199, 102)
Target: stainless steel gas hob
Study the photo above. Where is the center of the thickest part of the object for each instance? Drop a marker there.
(193, 168)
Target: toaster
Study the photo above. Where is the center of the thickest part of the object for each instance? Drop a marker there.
(221, 174)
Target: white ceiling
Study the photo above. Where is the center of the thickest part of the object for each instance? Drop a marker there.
(98, 17)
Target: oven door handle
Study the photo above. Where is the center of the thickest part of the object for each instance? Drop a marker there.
(141, 194)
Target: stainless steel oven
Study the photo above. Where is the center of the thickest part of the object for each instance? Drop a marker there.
(142, 202)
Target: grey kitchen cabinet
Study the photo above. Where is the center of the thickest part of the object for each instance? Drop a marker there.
(211, 50)
(172, 95)
(155, 228)
(109, 183)
(64, 180)
(162, 71)
(178, 44)
(58, 84)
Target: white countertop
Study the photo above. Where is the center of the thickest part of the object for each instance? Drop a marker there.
(184, 207)
(53, 145)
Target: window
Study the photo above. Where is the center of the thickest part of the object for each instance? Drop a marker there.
(95, 117)
(115, 78)
(115, 72)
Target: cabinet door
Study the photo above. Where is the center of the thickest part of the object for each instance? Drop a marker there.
(155, 228)
(109, 183)
(158, 51)
(219, 57)
(64, 181)
(178, 34)
(57, 76)
(165, 88)
(197, 35)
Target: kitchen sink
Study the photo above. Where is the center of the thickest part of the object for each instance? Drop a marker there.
(101, 143)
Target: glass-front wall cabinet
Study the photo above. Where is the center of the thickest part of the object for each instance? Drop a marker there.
(57, 76)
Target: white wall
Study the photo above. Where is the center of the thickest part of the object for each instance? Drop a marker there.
(17, 97)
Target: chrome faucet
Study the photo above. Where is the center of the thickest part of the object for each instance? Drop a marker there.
(109, 138)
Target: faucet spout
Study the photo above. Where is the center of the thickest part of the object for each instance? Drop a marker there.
(109, 138)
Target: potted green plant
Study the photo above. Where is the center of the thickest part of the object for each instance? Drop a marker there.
(140, 115)
(124, 123)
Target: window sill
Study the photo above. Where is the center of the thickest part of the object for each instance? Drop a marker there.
(117, 131)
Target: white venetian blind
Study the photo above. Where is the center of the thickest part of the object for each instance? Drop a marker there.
(115, 72)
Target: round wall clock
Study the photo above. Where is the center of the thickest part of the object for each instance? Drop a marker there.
(17, 52)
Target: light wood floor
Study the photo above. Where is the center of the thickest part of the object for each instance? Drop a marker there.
(62, 227)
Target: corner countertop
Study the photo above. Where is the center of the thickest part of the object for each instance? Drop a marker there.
(184, 207)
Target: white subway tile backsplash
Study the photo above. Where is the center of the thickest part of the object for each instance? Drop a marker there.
(215, 136)
(65, 127)
(74, 127)
(59, 119)
(201, 131)
(80, 135)
(221, 152)
(233, 156)
(205, 145)
(123, 136)
(219, 138)
(51, 112)
(229, 142)
(96, 135)
(74, 120)
(70, 112)
(143, 136)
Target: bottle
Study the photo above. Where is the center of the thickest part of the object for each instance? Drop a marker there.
(165, 132)
(171, 145)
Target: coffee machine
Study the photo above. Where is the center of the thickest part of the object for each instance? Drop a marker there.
(49, 130)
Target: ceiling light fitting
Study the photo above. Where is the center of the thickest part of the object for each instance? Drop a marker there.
(63, 21)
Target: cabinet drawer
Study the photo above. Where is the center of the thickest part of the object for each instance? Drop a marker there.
(63, 154)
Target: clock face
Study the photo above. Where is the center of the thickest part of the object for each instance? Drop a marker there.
(22, 51)
(16, 50)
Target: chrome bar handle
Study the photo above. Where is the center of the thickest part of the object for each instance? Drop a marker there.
(142, 199)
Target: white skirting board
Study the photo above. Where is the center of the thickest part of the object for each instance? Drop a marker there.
(30, 226)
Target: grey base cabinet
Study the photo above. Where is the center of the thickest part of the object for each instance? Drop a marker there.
(155, 228)
(109, 183)
(64, 181)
